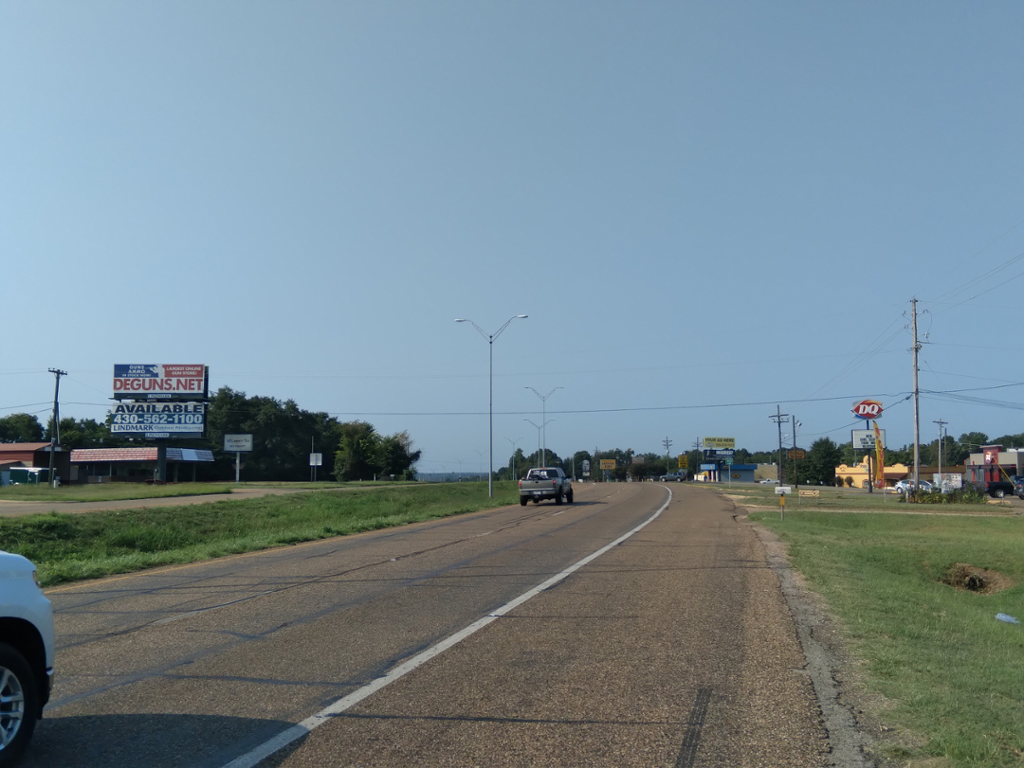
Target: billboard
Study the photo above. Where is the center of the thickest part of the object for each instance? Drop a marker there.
(719, 442)
(160, 382)
(159, 419)
(607, 463)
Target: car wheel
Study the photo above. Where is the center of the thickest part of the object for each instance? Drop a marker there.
(568, 497)
(19, 704)
(522, 501)
(558, 498)
(998, 493)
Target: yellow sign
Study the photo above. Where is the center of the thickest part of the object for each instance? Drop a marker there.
(607, 463)
(797, 453)
(810, 494)
(684, 462)
(719, 442)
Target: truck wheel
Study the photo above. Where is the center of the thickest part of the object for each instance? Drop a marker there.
(558, 498)
(568, 497)
(19, 704)
(522, 501)
(998, 493)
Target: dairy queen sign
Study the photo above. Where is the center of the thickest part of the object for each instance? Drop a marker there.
(867, 409)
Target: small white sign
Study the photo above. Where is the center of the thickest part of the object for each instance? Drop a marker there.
(316, 459)
(782, 490)
(237, 443)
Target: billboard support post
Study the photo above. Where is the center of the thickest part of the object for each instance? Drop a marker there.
(161, 461)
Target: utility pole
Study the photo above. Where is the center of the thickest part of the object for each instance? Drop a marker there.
(941, 424)
(668, 459)
(917, 401)
(780, 419)
(796, 474)
(56, 419)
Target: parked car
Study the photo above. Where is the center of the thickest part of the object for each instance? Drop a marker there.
(768, 481)
(26, 654)
(672, 477)
(903, 486)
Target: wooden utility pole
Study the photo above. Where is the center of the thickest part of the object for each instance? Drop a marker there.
(54, 427)
(780, 419)
(917, 400)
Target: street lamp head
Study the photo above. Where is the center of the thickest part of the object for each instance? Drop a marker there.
(460, 319)
(522, 316)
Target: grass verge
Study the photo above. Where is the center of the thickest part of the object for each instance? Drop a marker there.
(952, 676)
(70, 547)
(108, 491)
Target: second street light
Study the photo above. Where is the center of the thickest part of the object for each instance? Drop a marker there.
(543, 421)
(490, 396)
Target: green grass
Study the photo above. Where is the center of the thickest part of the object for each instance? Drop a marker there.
(954, 674)
(850, 500)
(70, 547)
(108, 491)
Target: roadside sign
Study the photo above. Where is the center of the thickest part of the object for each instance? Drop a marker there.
(782, 490)
(867, 409)
(607, 463)
(316, 459)
(797, 453)
(864, 439)
(683, 461)
(237, 443)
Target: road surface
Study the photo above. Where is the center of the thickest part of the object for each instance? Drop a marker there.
(672, 647)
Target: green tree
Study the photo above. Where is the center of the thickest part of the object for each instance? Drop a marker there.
(86, 433)
(20, 428)
(283, 435)
(822, 460)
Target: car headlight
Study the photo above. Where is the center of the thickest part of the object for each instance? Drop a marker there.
(35, 578)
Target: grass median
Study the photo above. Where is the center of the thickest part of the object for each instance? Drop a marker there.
(108, 491)
(71, 547)
(917, 596)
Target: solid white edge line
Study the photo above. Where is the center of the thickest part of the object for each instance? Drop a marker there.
(296, 732)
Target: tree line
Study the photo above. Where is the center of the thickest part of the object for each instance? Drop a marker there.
(283, 437)
(818, 467)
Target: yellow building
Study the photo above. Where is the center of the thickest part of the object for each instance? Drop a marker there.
(857, 475)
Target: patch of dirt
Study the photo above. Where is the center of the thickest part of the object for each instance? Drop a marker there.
(972, 579)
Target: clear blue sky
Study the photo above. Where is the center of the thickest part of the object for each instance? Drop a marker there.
(705, 208)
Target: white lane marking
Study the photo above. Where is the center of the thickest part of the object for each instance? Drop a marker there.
(296, 732)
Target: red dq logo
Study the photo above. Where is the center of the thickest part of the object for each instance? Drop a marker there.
(867, 409)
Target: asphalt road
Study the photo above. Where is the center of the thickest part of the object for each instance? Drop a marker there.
(675, 647)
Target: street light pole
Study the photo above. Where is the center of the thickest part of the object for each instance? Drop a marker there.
(514, 475)
(490, 393)
(543, 422)
(538, 427)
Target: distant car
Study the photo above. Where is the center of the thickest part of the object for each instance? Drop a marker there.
(26, 654)
(903, 486)
(1018, 488)
(672, 477)
(768, 481)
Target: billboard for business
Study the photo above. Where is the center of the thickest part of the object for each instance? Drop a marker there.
(160, 382)
(719, 442)
(159, 420)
